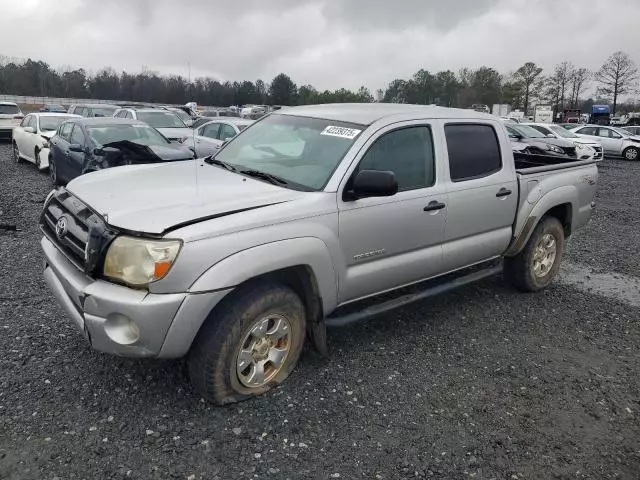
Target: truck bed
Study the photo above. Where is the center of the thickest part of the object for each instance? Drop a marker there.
(527, 163)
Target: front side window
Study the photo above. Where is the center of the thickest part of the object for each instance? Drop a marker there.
(25, 121)
(587, 131)
(77, 136)
(408, 153)
(65, 131)
(226, 131)
(210, 131)
(301, 150)
(608, 133)
(474, 151)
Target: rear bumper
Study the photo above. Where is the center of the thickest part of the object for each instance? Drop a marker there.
(6, 132)
(122, 321)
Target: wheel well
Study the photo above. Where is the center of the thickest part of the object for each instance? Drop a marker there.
(563, 214)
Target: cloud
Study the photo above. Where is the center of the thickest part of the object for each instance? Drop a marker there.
(326, 43)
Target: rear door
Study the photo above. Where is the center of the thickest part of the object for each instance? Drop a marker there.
(483, 193)
(393, 241)
(206, 139)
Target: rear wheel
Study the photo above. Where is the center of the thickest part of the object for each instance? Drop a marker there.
(16, 153)
(630, 153)
(535, 267)
(36, 158)
(249, 344)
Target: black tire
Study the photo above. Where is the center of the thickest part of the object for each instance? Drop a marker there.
(36, 157)
(53, 173)
(519, 270)
(212, 360)
(16, 153)
(631, 153)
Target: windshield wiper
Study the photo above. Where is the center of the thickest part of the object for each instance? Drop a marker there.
(274, 179)
(212, 161)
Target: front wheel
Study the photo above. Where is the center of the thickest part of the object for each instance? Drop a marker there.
(630, 153)
(249, 344)
(535, 267)
(53, 172)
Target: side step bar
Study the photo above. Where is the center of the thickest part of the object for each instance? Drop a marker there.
(430, 291)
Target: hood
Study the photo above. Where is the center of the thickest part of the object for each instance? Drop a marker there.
(164, 196)
(585, 141)
(152, 153)
(48, 134)
(172, 133)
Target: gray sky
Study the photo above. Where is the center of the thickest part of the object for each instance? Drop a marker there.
(326, 43)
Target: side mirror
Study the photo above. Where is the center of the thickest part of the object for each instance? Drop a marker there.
(104, 151)
(29, 129)
(374, 183)
(76, 147)
(550, 135)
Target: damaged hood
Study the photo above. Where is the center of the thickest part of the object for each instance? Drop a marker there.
(153, 153)
(159, 197)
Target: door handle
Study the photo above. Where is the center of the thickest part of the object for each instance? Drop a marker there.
(503, 192)
(435, 205)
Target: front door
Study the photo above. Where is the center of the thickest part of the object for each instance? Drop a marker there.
(392, 241)
(77, 159)
(60, 151)
(611, 141)
(483, 194)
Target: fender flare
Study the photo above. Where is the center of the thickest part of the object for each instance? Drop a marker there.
(556, 197)
(269, 257)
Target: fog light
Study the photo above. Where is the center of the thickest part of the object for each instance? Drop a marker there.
(121, 329)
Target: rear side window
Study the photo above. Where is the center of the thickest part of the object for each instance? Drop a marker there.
(474, 151)
(77, 136)
(9, 110)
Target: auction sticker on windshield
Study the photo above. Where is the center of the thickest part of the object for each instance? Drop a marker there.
(342, 132)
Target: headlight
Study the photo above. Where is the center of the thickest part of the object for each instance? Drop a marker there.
(553, 148)
(139, 261)
(582, 146)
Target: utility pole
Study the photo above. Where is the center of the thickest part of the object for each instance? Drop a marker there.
(189, 89)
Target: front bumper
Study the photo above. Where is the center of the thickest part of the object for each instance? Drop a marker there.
(122, 321)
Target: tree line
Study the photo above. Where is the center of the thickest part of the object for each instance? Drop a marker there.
(562, 88)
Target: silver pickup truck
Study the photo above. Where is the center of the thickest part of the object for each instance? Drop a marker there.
(313, 216)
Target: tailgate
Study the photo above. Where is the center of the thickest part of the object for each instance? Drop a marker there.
(10, 121)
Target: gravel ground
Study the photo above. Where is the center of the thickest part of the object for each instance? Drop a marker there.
(480, 383)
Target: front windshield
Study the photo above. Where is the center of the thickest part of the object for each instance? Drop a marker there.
(184, 116)
(562, 132)
(303, 151)
(527, 132)
(161, 119)
(51, 123)
(104, 111)
(142, 134)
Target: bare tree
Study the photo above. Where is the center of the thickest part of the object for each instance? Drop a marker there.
(578, 79)
(618, 76)
(527, 75)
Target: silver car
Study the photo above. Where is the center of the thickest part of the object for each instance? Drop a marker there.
(616, 142)
(209, 137)
(168, 123)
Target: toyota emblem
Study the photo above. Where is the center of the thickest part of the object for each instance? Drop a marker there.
(61, 228)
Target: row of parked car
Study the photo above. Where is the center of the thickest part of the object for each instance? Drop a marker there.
(582, 141)
(96, 136)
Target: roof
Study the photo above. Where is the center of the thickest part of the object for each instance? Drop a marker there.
(9, 103)
(101, 121)
(55, 114)
(231, 120)
(95, 105)
(368, 113)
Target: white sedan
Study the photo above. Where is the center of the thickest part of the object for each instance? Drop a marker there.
(209, 137)
(31, 137)
(586, 149)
